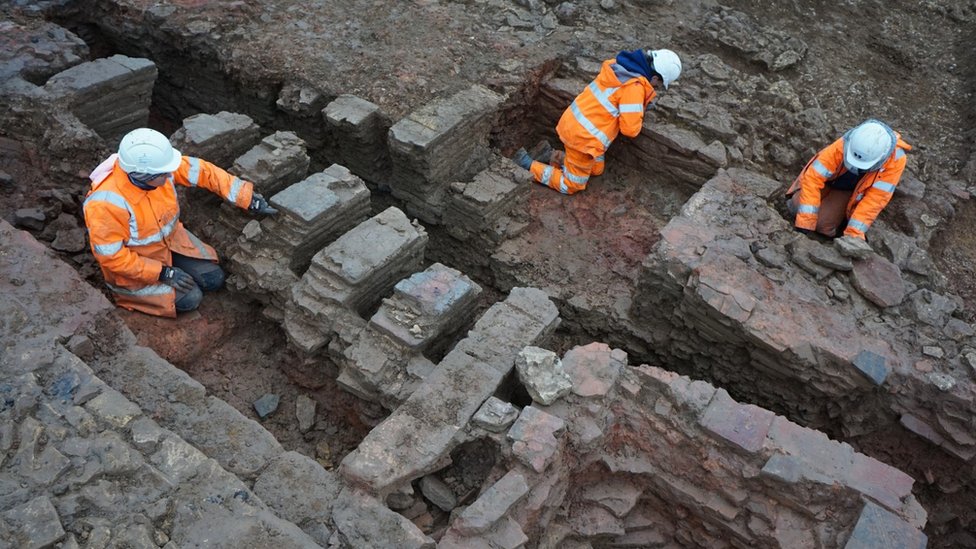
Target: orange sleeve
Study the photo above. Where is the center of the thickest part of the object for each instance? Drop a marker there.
(631, 106)
(196, 172)
(877, 196)
(108, 231)
(822, 168)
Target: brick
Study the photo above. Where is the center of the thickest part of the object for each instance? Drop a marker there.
(534, 437)
(872, 366)
(813, 447)
(593, 368)
(744, 425)
(877, 528)
(879, 481)
(493, 504)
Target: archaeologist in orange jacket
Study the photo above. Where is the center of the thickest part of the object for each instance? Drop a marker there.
(150, 261)
(612, 104)
(846, 185)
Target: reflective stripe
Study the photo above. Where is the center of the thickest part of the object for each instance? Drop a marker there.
(600, 158)
(199, 246)
(863, 227)
(884, 186)
(577, 179)
(153, 289)
(859, 197)
(588, 126)
(194, 174)
(562, 186)
(631, 107)
(108, 249)
(163, 232)
(234, 189)
(899, 154)
(546, 174)
(118, 201)
(604, 98)
(808, 209)
(821, 169)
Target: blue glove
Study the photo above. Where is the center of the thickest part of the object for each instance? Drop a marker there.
(177, 279)
(260, 205)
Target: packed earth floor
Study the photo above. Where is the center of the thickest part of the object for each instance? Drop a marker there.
(678, 261)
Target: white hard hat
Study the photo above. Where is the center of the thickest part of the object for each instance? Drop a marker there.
(667, 64)
(147, 151)
(867, 145)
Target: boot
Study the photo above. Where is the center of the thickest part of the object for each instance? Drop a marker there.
(522, 158)
(541, 152)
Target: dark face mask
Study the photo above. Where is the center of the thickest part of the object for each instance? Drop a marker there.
(141, 180)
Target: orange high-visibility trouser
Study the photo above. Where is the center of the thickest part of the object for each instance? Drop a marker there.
(575, 173)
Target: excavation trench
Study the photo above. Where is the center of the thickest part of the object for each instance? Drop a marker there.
(589, 253)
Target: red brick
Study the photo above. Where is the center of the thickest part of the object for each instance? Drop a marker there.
(812, 447)
(744, 425)
(880, 529)
(880, 481)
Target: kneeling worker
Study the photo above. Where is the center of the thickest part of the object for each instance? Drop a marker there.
(845, 186)
(150, 262)
(612, 104)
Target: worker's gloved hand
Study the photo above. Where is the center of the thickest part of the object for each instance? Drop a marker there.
(177, 279)
(260, 205)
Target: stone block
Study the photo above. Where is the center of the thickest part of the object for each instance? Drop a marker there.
(33, 525)
(495, 415)
(298, 488)
(872, 366)
(113, 408)
(438, 493)
(366, 522)
(831, 458)
(594, 368)
(878, 528)
(678, 139)
(791, 470)
(830, 258)
(618, 495)
(593, 521)
(534, 437)
(879, 481)
(542, 374)
(744, 425)
(444, 141)
(492, 505)
(217, 138)
(359, 135)
(426, 307)
(419, 434)
(879, 281)
(279, 160)
(353, 275)
(109, 95)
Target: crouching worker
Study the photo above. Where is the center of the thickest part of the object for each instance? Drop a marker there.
(845, 186)
(612, 104)
(150, 262)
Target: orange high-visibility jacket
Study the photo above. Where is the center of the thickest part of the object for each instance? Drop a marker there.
(873, 191)
(605, 108)
(133, 232)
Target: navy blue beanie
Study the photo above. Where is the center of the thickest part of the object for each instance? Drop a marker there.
(635, 61)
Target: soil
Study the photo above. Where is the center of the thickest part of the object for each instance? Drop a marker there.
(240, 356)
